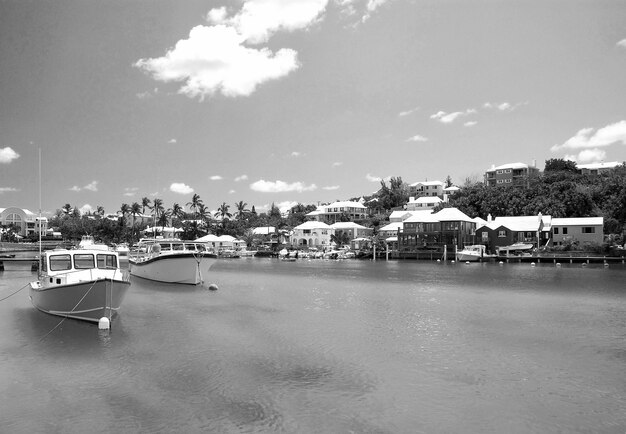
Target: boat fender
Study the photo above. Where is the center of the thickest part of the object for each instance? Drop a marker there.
(213, 287)
(532, 264)
(467, 262)
(104, 323)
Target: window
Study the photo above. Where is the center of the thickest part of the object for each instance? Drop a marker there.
(60, 262)
(83, 261)
(589, 230)
(564, 231)
(106, 261)
(508, 181)
(500, 181)
(485, 236)
(556, 231)
(501, 234)
(499, 172)
(165, 247)
(306, 231)
(507, 171)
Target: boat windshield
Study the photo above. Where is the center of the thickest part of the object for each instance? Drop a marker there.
(107, 261)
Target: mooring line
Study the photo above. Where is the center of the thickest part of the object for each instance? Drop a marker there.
(4, 298)
(65, 317)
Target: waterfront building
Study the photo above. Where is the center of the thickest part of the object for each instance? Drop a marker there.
(510, 174)
(449, 227)
(25, 222)
(596, 168)
(427, 188)
(311, 234)
(339, 211)
(353, 230)
(504, 231)
(581, 229)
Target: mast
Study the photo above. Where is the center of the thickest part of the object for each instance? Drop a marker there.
(39, 271)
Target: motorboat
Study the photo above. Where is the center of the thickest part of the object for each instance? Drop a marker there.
(516, 249)
(85, 284)
(473, 253)
(171, 260)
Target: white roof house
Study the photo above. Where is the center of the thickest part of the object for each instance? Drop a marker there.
(334, 211)
(422, 203)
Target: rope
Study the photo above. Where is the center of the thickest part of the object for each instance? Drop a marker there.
(13, 293)
(64, 318)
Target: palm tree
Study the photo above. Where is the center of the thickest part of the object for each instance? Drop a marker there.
(100, 210)
(241, 209)
(205, 216)
(194, 204)
(222, 211)
(135, 209)
(67, 209)
(158, 209)
(178, 211)
(124, 209)
(145, 203)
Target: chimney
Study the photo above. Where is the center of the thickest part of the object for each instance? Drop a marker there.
(489, 218)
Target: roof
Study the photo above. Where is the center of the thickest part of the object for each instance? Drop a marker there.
(393, 226)
(264, 230)
(452, 214)
(452, 188)
(426, 199)
(425, 216)
(347, 225)
(522, 223)
(578, 221)
(313, 225)
(427, 183)
(344, 204)
(509, 166)
(592, 166)
(399, 215)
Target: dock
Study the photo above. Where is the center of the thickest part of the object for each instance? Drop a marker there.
(19, 263)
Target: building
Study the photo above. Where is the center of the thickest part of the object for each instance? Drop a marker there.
(423, 203)
(596, 168)
(339, 211)
(504, 231)
(352, 229)
(427, 188)
(25, 222)
(510, 174)
(311, 234)
(581, 229)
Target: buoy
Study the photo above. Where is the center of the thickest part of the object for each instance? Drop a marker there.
(467, 262)
(104, 323)
(558, 264)
(606, 264)
(438, 260)
(532, 264)
(501, 263)
(452, 261)
(213, 287)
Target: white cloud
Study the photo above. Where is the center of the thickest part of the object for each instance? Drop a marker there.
(130, 191)
(172, 141)
(331, 187)
(447, 118)
(285, 206)
(622, 43)
(92, 186)
(586, 138)
(588, 156)
(337, 164)
(417, 138)
(372, 178)
(241, 178)
(216, 178)
(7, 189)
(280, 187)
(214, 60)
(180, 188)
(470, 123)
(85, 209)
(408, 112)
(296, 154)
(7, 155)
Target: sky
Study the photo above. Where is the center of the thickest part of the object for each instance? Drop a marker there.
(297, 101)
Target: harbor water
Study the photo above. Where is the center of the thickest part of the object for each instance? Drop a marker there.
(328, 347)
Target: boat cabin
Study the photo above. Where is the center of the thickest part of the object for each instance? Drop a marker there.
(56, 265)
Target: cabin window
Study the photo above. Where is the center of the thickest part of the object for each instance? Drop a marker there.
(107, 261)
(83, 261)
(165, 247)
(180, 247)
(60, 262)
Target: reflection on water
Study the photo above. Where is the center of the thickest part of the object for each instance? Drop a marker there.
(326, 346)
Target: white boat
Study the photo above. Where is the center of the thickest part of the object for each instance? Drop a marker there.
(473, 253)
(517, 249)
(171, 261)
(85, 284)
(88, 242)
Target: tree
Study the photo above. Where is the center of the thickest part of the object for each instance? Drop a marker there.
(178, 211)
(241, 209)
(158, 209)
(145, 203)
(560, 165)
(135, 209)
(124, 209)
(194, 204)
(448, 181)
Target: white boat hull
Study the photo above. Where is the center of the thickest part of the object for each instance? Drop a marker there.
(187, 268)
(87, 300)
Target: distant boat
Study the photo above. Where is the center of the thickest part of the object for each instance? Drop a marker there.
(171, 261)
(516, 249)
(85, 284)
(473, 253)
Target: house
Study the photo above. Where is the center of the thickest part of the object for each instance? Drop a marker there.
(504, 231)
(423, 203)
(581, 229)
(510, 174)
(311, 234)
(352, 229)
(448, 227)
(24, 221)
(339, 211)
(427, 188)
(596, 168)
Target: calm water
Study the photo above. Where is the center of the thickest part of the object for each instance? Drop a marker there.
(329, 347)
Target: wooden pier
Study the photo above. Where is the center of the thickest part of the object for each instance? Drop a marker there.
(20, 263)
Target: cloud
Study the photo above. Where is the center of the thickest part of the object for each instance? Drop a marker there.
(7, 189)
(470, 123)
(263, 186)
(130, 191)
(372, 178)
(408, 112)
(241, 178)
(285, 206)
(231, 192)
(180, 188)
(586, 138)
(588, 156)
(172, 141)
(331, 188)
(214, 60)
(296, 154)
(621, 43)
(503, 106)
(216, 178)
(448, 118)
(7, 155)
(92, 186)
(86, 209)
(417, 138)
(337, 164)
